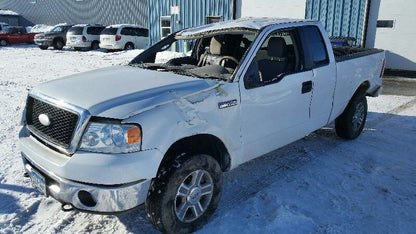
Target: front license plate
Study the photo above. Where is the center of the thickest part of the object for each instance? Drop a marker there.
(38, 181)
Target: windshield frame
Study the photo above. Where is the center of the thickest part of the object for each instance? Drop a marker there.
(149, 56)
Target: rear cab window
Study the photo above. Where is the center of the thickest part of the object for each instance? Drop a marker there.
(316, 53)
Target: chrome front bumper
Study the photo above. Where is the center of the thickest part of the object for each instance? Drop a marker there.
(43, 42)
(92, 197)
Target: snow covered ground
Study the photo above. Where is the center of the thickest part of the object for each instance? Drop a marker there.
(320, 184)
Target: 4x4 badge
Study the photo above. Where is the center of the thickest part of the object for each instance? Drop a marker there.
(226, 104)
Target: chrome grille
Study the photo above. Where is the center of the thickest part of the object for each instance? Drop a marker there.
(63, 122)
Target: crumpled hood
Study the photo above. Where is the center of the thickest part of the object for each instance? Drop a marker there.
(117, 92)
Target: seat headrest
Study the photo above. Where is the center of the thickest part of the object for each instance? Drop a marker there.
(215, 47)
(276, 47)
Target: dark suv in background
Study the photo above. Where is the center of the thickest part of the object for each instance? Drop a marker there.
(56, 37)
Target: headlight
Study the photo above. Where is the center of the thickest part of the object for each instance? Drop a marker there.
(111, 138)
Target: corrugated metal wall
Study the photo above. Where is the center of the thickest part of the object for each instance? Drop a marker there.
(340, 17)
(191, 13)
(87, 11)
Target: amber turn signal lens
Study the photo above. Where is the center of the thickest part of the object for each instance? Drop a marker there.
(134, 135)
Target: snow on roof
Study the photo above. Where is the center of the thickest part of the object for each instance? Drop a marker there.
(85, 25)
(41, 28)
(243, 23)
(125, 25)
(8, 12)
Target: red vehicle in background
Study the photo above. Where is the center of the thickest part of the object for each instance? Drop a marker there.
(14, 35)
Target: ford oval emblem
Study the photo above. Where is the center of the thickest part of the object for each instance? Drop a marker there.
(44, 120)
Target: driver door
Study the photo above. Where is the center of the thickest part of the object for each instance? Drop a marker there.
(275, 95)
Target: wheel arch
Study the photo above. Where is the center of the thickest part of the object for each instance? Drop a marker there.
(362, 89)
(198, 144)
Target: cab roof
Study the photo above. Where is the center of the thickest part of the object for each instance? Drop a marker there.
(251, 24)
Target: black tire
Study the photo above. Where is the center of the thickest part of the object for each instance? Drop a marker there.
(129, 46)
(3, 42)
(164, 201)
(95, 45)
(58, 44)
(350, 123)
(43, 47)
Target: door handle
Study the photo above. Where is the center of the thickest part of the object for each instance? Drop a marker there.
(307, 86)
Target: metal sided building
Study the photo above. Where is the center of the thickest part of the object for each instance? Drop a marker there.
(345, 18)
(167, 16)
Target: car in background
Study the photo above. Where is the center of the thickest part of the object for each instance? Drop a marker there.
(15, 35)
(84, 36)
(3, 25)
(124, 36)
(56, 37)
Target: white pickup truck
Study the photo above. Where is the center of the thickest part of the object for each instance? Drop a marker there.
(162, 133)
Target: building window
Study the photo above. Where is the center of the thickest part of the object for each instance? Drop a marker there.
(165, 26)
(385, 23)
(212, 19)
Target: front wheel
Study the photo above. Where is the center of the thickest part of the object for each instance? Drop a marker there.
(184, 198)
(350, 123)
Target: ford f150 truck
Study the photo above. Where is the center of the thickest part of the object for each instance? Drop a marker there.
(14, 35)
(162, 133)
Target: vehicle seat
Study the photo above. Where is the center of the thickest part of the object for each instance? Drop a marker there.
(213, 54)
(276, 64)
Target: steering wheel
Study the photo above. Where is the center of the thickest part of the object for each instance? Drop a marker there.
(225, 58)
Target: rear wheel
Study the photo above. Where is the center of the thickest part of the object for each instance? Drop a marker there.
(3, 42)
(43, 47)
(350, 123)
(58, 45)
(129, 46)
(184, 198)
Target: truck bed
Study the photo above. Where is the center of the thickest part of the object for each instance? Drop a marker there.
(343, 53)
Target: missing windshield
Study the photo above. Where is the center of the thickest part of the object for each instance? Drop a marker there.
(214, 56)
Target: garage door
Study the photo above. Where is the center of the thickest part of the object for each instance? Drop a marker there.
(344, 18)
